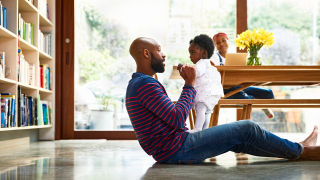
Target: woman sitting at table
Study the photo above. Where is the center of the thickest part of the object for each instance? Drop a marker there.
(221, 41)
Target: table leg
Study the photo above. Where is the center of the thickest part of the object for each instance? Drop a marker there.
(249, 110)
(191, 120)
(244, 112)
(215, 116)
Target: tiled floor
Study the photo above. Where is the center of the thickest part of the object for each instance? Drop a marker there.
(101, 159)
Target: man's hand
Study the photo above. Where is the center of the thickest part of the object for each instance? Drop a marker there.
(188, 73)
(179, 67)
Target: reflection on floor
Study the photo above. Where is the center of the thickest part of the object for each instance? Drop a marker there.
(101, 159)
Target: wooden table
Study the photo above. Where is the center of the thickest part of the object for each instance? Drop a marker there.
(247, 76)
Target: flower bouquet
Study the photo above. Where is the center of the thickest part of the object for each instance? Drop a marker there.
(253, 41)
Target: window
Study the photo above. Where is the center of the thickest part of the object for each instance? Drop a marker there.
(104, 30)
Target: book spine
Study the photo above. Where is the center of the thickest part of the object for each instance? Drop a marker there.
(19, 107)
(48, 78)
(9, 100)
(1, 15)
(33, 111)
(41, 76)
(3, 112)
(14, 120)
(4, 17)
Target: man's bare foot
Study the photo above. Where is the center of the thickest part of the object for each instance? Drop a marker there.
(310, 153)
(311, 140)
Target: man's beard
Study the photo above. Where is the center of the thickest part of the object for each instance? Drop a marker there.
(157, 64)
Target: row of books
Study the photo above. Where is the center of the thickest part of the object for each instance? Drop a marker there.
(2, 65)
(3, 16)
(8, 110)
(26, 74)
(45, 42)
(26, 71)
(45, 77)
(44, 8)
(25, 30)
(30, 111)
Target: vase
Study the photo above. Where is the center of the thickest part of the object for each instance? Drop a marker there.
(253, 58)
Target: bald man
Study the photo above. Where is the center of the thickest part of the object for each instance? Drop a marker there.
(160, 125)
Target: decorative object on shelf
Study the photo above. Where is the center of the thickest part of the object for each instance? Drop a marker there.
(253, 41)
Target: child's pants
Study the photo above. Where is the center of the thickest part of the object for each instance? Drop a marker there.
(204, 113)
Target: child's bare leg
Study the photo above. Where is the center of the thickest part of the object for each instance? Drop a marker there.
(311, 140)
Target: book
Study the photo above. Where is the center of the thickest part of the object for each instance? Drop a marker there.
(48, 78)
(4, 14)
(9, 113)
(45, 117)
(4, 112)
(39, 112)
(44, 75)
(50, 112)
(41, 76)
(1, 15)
(23, 110)
(32, 75)
(14, 118)
(45, 110)
(31, 31)
(19, 119)
(23, 29)
(2, 64)
(20, 25)
(35, 112)
(31, 119)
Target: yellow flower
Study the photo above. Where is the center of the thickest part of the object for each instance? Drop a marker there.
(254, 39)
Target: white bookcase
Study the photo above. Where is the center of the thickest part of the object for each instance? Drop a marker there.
(9, 44)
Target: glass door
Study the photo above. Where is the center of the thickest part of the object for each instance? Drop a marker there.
(101, 65)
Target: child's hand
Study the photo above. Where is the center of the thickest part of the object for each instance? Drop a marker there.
(179, 68)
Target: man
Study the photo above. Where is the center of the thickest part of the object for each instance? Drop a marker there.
(161, 129)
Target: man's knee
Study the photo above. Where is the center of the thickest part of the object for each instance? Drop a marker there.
(248, 124)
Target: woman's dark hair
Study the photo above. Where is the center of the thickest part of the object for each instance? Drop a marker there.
(204, 42)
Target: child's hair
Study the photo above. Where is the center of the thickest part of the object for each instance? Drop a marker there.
(204, 42)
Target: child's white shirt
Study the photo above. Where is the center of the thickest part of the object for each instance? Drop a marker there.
(208, 81)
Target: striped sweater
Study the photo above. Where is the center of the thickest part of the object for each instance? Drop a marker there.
(159, 124)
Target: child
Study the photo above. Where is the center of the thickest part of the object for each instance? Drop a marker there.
(208, 81)
(221, 41)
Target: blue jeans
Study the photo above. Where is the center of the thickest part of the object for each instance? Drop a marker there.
(250, 93)
(242, 136)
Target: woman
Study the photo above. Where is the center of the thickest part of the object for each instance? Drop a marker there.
(221, 41)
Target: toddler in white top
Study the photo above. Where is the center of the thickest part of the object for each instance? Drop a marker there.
(208, 81)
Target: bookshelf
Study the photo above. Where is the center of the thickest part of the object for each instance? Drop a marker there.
(9, 38)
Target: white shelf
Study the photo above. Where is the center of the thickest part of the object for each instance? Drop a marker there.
(42, 90)
(44, 21)
(26, 6)
(44, 56)
(26, 86)
(25, 46)
(25, 127)
(5, 80)
(5, 33)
